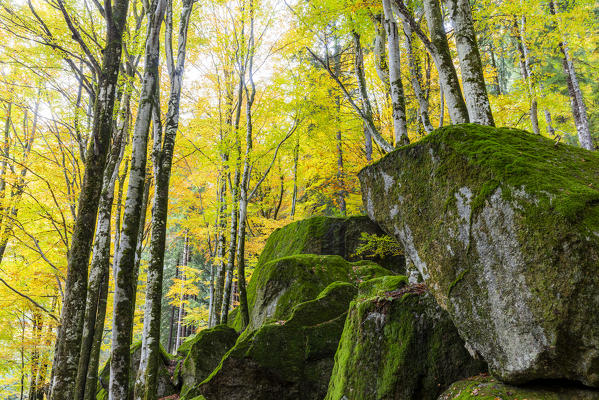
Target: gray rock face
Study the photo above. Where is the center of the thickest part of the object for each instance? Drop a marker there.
(504, 228)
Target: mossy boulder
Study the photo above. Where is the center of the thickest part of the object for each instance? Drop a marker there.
(277, 286)
(285, 360)
(503, 226)
(484, 387)
(203, 353)
(165, 385)
(327, 236)
(398, 344)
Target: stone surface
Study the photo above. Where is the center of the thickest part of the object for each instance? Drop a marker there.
(504, 227)
(485, 387)
(203, 354)
(166, 387)
(327, 236)
(398, 344)
(285, 360)
(277, 286)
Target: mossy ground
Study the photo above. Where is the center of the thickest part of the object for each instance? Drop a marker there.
(484, 387)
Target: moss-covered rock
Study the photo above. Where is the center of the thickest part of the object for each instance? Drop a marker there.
(289, 359)
(327, 236)
(398, 344)
(166, 387)
(203, 353)
(504, 227)
(484, 387)
(277, 286)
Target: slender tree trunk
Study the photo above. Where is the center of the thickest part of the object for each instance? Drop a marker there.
(380, 54)
(416, 78)
(220, 270)
(496, 69)
(475, 90)
(281, 193)
(441, 106)
(520, 35)
(550, 129)
(124, 265)
(579, 110)
(438, 47)
(100, 265)
(366, 106)
(66, 359)
(398, 100)
(163, 157)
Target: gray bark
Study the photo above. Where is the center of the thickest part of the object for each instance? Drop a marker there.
(162, 155)
(475, 90)
(398, 100)
(438, 47)
(416, 78)
(526, 71)
(66, 358)
(124, 264)
(366, 106)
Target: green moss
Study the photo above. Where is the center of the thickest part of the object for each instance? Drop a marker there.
(397, 348)
(456, 281)
(204, 352)
(484, 387)
(293, 355)
(378, 286)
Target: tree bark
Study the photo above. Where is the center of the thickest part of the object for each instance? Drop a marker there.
(162, 154)
(438, 47)
(66, 359)
(398, 100)
(416, 78)
(526, 71)
(475, 90)
(366, 106)
(124, 265)
(579, 110)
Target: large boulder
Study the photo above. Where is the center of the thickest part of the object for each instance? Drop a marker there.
(503, 226)
(203, 353)
(166, 387)
(398, 344)
(285, 360)
(277, 286)
(484, 387)
(328, 236)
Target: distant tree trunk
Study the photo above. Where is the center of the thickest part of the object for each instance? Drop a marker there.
(579, 110)
(441, 106)
(360, 78)
(416, 76)
(475, 90)
(550, 129)
(124, 265)
(496, 68)
(220, 270)
(281, 193)
(526, 71)
(438, 47)
(296, 150)
(398, 100)
(66, 358)
(162, 154)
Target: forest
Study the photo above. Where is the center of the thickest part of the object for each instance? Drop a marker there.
(158, 158)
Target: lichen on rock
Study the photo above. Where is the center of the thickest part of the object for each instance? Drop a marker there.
(504, 227)
(398, 344)
(485, 387)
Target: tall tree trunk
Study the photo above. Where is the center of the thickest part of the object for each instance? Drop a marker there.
(398, 100)
(163, 159)
(100, 265)
(473, 80)
(416, 79)
(496, 68)
(550, 129)
(66, 359)
(526, 71)
(579, 110)
(220, 270)
(438, 47)
(124, 265)
(366, 106)
(380, 53)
